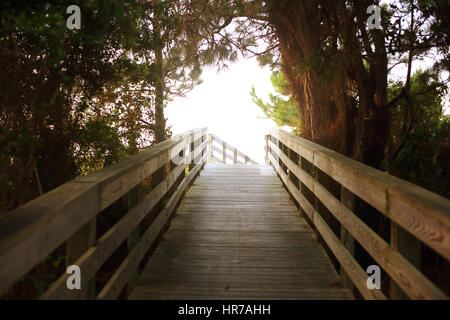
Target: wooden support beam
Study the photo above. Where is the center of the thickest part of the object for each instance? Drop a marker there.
(76, 246)
(132, 200)
(347, 199)
(224, 152)
(266, 158)
(314, 172)
(210, 147)
(67, 216)
(114, 286)
(191, 151)
(406, 275)
(419, 211)
(410, 248)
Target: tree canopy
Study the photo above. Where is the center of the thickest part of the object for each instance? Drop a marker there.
(281, 107)
(85, 98)
(75, 100)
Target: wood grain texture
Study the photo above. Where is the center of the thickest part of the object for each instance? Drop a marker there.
(119, 279)
(32, 231)
(415, 284)
(423, 213)
(93, 259)
(229, 241)
(29, 233)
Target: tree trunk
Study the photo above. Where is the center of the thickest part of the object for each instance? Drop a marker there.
(321, 73)
(160, 120)
(322, 102)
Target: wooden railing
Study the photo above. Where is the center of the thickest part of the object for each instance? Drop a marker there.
(68, 215)
(424, 215)
(220, 147)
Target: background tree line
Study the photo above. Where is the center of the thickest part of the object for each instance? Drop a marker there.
(73, 101)
(378, 111)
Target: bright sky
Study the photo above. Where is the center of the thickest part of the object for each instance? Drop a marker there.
(223, 104)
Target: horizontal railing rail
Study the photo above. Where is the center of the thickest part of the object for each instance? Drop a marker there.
(68, 213)
(423, 214)
(220, 147)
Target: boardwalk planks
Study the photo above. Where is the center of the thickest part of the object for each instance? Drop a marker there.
(424, 214)
(237, 235)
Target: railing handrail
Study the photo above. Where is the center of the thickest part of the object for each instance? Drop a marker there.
(32, 231)
(223, 153)
(424, 214)
(388, 194)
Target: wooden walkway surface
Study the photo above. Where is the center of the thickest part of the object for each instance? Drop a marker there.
(237, 235)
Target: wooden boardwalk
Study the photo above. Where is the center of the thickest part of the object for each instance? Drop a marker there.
(237, 235)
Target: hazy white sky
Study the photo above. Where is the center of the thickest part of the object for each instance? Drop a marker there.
(223, 104)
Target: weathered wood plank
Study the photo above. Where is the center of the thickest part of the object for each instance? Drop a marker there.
(223, 291)
(406, 275)
(93, 259)
(255, 244)
(76, 246)
(116, 180)
(29, 233)
(424, 214)
(114, 286)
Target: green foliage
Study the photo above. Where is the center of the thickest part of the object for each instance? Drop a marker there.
(98, 144)
(74, 101)
(281, 107)
(70, 99)
(419, 145)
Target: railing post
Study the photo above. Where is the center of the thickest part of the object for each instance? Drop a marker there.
(78, 244)
(301, 186)
(277, 157)
(348, 199)
(134, 237)
(266, 158)
(315, 174)
(224, 152)
(203, 162)
(210, 147)
(191, 152)
(294, 179)
(289, 173)
(410, 248)
(155, 179)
